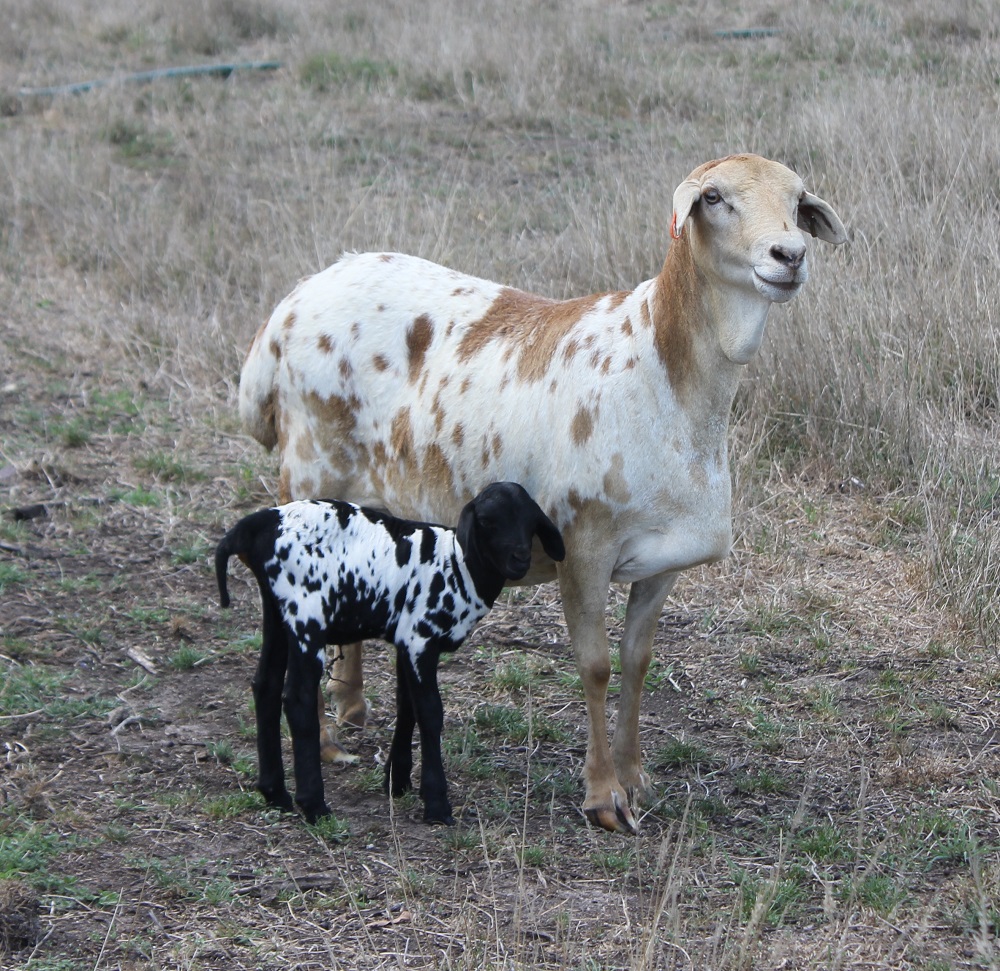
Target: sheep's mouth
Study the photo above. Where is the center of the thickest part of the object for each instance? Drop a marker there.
(777, 290)
(517, 567)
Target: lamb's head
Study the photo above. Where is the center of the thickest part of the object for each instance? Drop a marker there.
(744, 217)
(496, 531)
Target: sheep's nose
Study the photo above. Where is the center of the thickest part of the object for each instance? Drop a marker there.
(789, 254)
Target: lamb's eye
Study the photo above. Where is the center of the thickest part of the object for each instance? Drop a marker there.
(711, 197)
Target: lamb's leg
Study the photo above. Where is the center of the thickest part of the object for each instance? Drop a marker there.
(305, 666)
(426, 704)
(399, 765)
(645, 603)
(267, 683)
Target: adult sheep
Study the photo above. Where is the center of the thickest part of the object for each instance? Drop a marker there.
(400, 384)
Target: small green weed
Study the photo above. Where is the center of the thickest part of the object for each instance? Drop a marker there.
(237, 804)
(165, 467)
(760, 783)
(679, 754)
(878, 891)
(11, 574)
(331, 829)
(187, 657)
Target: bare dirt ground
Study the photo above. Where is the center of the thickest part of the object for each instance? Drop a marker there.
(820, 729)
(825, 767)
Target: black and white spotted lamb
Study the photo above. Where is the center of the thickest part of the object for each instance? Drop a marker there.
(332, 573)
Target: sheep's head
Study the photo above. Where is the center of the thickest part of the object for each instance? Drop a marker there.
(744, 217)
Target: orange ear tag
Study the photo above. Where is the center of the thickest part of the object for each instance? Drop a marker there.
(673, 228)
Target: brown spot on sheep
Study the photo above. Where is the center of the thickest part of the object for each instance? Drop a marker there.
(418, 339)
(289, 321)
(324, 344)
(615, 486)
(436, 471)
(380, 362)
(529, 325)
(401, 435)
(458, 435)
(582, 426)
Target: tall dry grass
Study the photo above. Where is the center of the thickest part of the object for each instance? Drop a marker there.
(539, 144)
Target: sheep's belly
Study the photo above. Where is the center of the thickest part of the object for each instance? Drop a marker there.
(668, 551)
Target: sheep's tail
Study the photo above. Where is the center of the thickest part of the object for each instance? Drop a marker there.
(257, 390)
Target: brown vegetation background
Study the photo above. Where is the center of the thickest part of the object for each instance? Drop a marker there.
(821, 716)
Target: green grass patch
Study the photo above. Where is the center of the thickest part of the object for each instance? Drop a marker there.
(11, 575)
(187, 657)
(324, 72)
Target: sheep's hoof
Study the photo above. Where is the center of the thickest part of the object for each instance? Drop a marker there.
(354, 715)
(332, 751)
(616, 818)
(353, 708)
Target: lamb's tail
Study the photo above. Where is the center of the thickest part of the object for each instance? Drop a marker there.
(225, 549)
(257, 390)
(252, 540)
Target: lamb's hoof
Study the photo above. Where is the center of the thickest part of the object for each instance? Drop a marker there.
(332, 751)
(279, 799)
(314, 813)
(439, 819)
(616, 818)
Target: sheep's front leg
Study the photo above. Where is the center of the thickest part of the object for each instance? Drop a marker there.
(305, 666)
(645, 603)
(267, 683)
(584, 590)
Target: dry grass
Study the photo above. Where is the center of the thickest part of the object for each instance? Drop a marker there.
(825, 709)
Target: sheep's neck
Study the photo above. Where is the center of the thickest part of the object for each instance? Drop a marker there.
(690, 314)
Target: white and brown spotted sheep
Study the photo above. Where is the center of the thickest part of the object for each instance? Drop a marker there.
(404, 385)
(331, 573)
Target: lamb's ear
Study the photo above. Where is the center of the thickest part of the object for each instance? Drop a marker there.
(466, 523)
(817, 218)
(552, 541)
(685, 196)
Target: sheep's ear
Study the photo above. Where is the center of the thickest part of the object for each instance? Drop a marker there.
(818, 219)
(685, 196)
(552, 541)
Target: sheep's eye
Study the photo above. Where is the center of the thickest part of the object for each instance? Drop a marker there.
(711, 197)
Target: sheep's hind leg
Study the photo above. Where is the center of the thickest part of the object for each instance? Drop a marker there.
(347, 686)
(330, 747)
